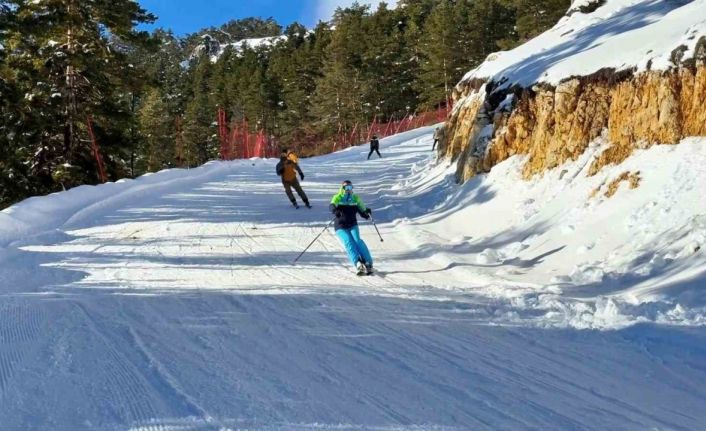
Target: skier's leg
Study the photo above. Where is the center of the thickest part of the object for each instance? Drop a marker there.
(361, 247)
(434, 146)
(344, 235)
(370, 153)
(288, 190)
(300, 192)
(378, 151)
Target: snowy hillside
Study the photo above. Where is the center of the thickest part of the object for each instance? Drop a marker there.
(171, 302)
(253, 43)
(611, 34)
(214, 49)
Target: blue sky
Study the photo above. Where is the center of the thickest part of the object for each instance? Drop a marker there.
(188, 16)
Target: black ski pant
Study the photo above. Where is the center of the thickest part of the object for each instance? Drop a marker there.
(289, 185)
(374, 150)
(434, 146)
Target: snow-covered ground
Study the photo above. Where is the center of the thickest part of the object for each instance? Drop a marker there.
(171, 302)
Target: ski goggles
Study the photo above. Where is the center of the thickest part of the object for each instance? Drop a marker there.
(348, 187)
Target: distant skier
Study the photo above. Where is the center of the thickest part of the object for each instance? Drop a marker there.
(344, 206)
(287, 169)
(374, 147)
(438, 136)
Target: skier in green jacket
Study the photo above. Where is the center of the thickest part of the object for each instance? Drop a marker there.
(345, 205)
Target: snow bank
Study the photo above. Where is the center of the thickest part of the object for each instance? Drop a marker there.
(38, 215)
(559, 246)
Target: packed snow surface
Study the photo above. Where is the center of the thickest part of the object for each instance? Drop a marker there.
(620, 35)
(170, 302)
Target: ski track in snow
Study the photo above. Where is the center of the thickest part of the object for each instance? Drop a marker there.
(173, 305)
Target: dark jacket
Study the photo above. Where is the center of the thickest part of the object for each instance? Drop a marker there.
(374, 144)
(345, 207)
(287, 169)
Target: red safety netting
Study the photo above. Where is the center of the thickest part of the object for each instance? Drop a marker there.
(237, 142)
(96, 151)
(394, 126)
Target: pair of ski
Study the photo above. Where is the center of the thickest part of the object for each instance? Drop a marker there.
(296, 206)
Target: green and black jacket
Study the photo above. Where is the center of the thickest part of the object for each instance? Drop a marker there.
(349, 205)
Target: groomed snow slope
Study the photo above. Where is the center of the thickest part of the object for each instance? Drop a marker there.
(620, 35)
(170, 302)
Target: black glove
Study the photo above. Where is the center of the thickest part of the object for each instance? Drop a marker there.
(301, 176)
(368, 211)
(337, 212)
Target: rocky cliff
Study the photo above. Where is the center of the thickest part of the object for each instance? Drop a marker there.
(529, 105)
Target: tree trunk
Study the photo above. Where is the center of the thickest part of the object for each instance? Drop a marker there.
(71, 109)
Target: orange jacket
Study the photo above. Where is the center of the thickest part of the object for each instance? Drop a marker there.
(288, 170)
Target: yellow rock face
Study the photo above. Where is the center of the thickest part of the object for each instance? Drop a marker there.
(554, 125)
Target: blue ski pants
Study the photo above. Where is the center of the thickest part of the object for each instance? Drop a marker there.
(354, 245)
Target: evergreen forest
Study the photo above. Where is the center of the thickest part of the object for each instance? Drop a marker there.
(87, 96)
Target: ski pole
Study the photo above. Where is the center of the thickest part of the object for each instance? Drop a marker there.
(312, 242)
(376, 228)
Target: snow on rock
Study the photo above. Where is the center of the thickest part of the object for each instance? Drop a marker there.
(619, 34)
(255, 43)
(629, 71)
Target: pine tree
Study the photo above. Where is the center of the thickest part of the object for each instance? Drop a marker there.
(164, 73)
(14, 173)
(223, 70)
(295, 67)
(157, 127)
(415, 14)
(258, 95)
(200, 137)
(440, 54)
(536, 16)
(389, 66)
(70, 63)
(250, 28)
(491, 26)
(292, 106)
(164, 69)
(339, 96)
